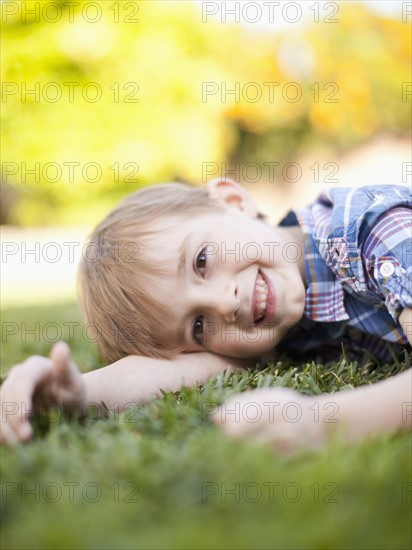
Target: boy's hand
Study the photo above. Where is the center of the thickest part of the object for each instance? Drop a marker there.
(280, 416)
(38, 381)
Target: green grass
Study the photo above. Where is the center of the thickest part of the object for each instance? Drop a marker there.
(160, 476)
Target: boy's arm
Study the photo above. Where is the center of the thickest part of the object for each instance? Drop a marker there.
(136, 379)
(367, 410)
(387, 262)
(42, 381)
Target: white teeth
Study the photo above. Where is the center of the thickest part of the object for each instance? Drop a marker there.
(261, 298)
(262, 307)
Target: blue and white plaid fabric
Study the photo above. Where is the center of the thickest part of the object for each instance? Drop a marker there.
(358, 258)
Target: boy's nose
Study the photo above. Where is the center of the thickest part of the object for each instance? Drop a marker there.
(226, 303)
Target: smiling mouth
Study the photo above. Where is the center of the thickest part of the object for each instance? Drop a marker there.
(261, 299)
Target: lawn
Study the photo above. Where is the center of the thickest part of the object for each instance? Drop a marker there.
(162, 476)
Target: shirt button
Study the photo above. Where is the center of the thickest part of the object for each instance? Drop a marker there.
(387, 269)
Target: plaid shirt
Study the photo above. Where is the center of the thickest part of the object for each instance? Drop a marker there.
(358, 260)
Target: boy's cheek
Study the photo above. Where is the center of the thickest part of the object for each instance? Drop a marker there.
(232, 342)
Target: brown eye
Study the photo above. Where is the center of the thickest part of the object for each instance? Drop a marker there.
(201, 260)
(198, 329)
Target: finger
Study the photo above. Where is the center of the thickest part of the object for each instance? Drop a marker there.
(7, 435)
(11, 436)
(16, 397)
(69, 389)
(17, 393)
(60, 355)
(13, 427)
(62, 366)
(24, 431)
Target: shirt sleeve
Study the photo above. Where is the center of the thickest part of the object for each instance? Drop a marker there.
(387, 256)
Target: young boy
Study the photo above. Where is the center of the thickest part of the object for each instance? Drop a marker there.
(184, 283)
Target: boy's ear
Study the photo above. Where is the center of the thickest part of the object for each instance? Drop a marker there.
(233, 195)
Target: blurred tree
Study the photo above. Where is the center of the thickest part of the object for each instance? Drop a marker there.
(93, 110)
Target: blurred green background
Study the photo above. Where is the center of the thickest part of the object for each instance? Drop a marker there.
(120, 103)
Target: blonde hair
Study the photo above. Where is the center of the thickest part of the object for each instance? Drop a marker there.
(118, 263)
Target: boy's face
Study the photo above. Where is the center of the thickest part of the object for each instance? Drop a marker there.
(235, 284)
